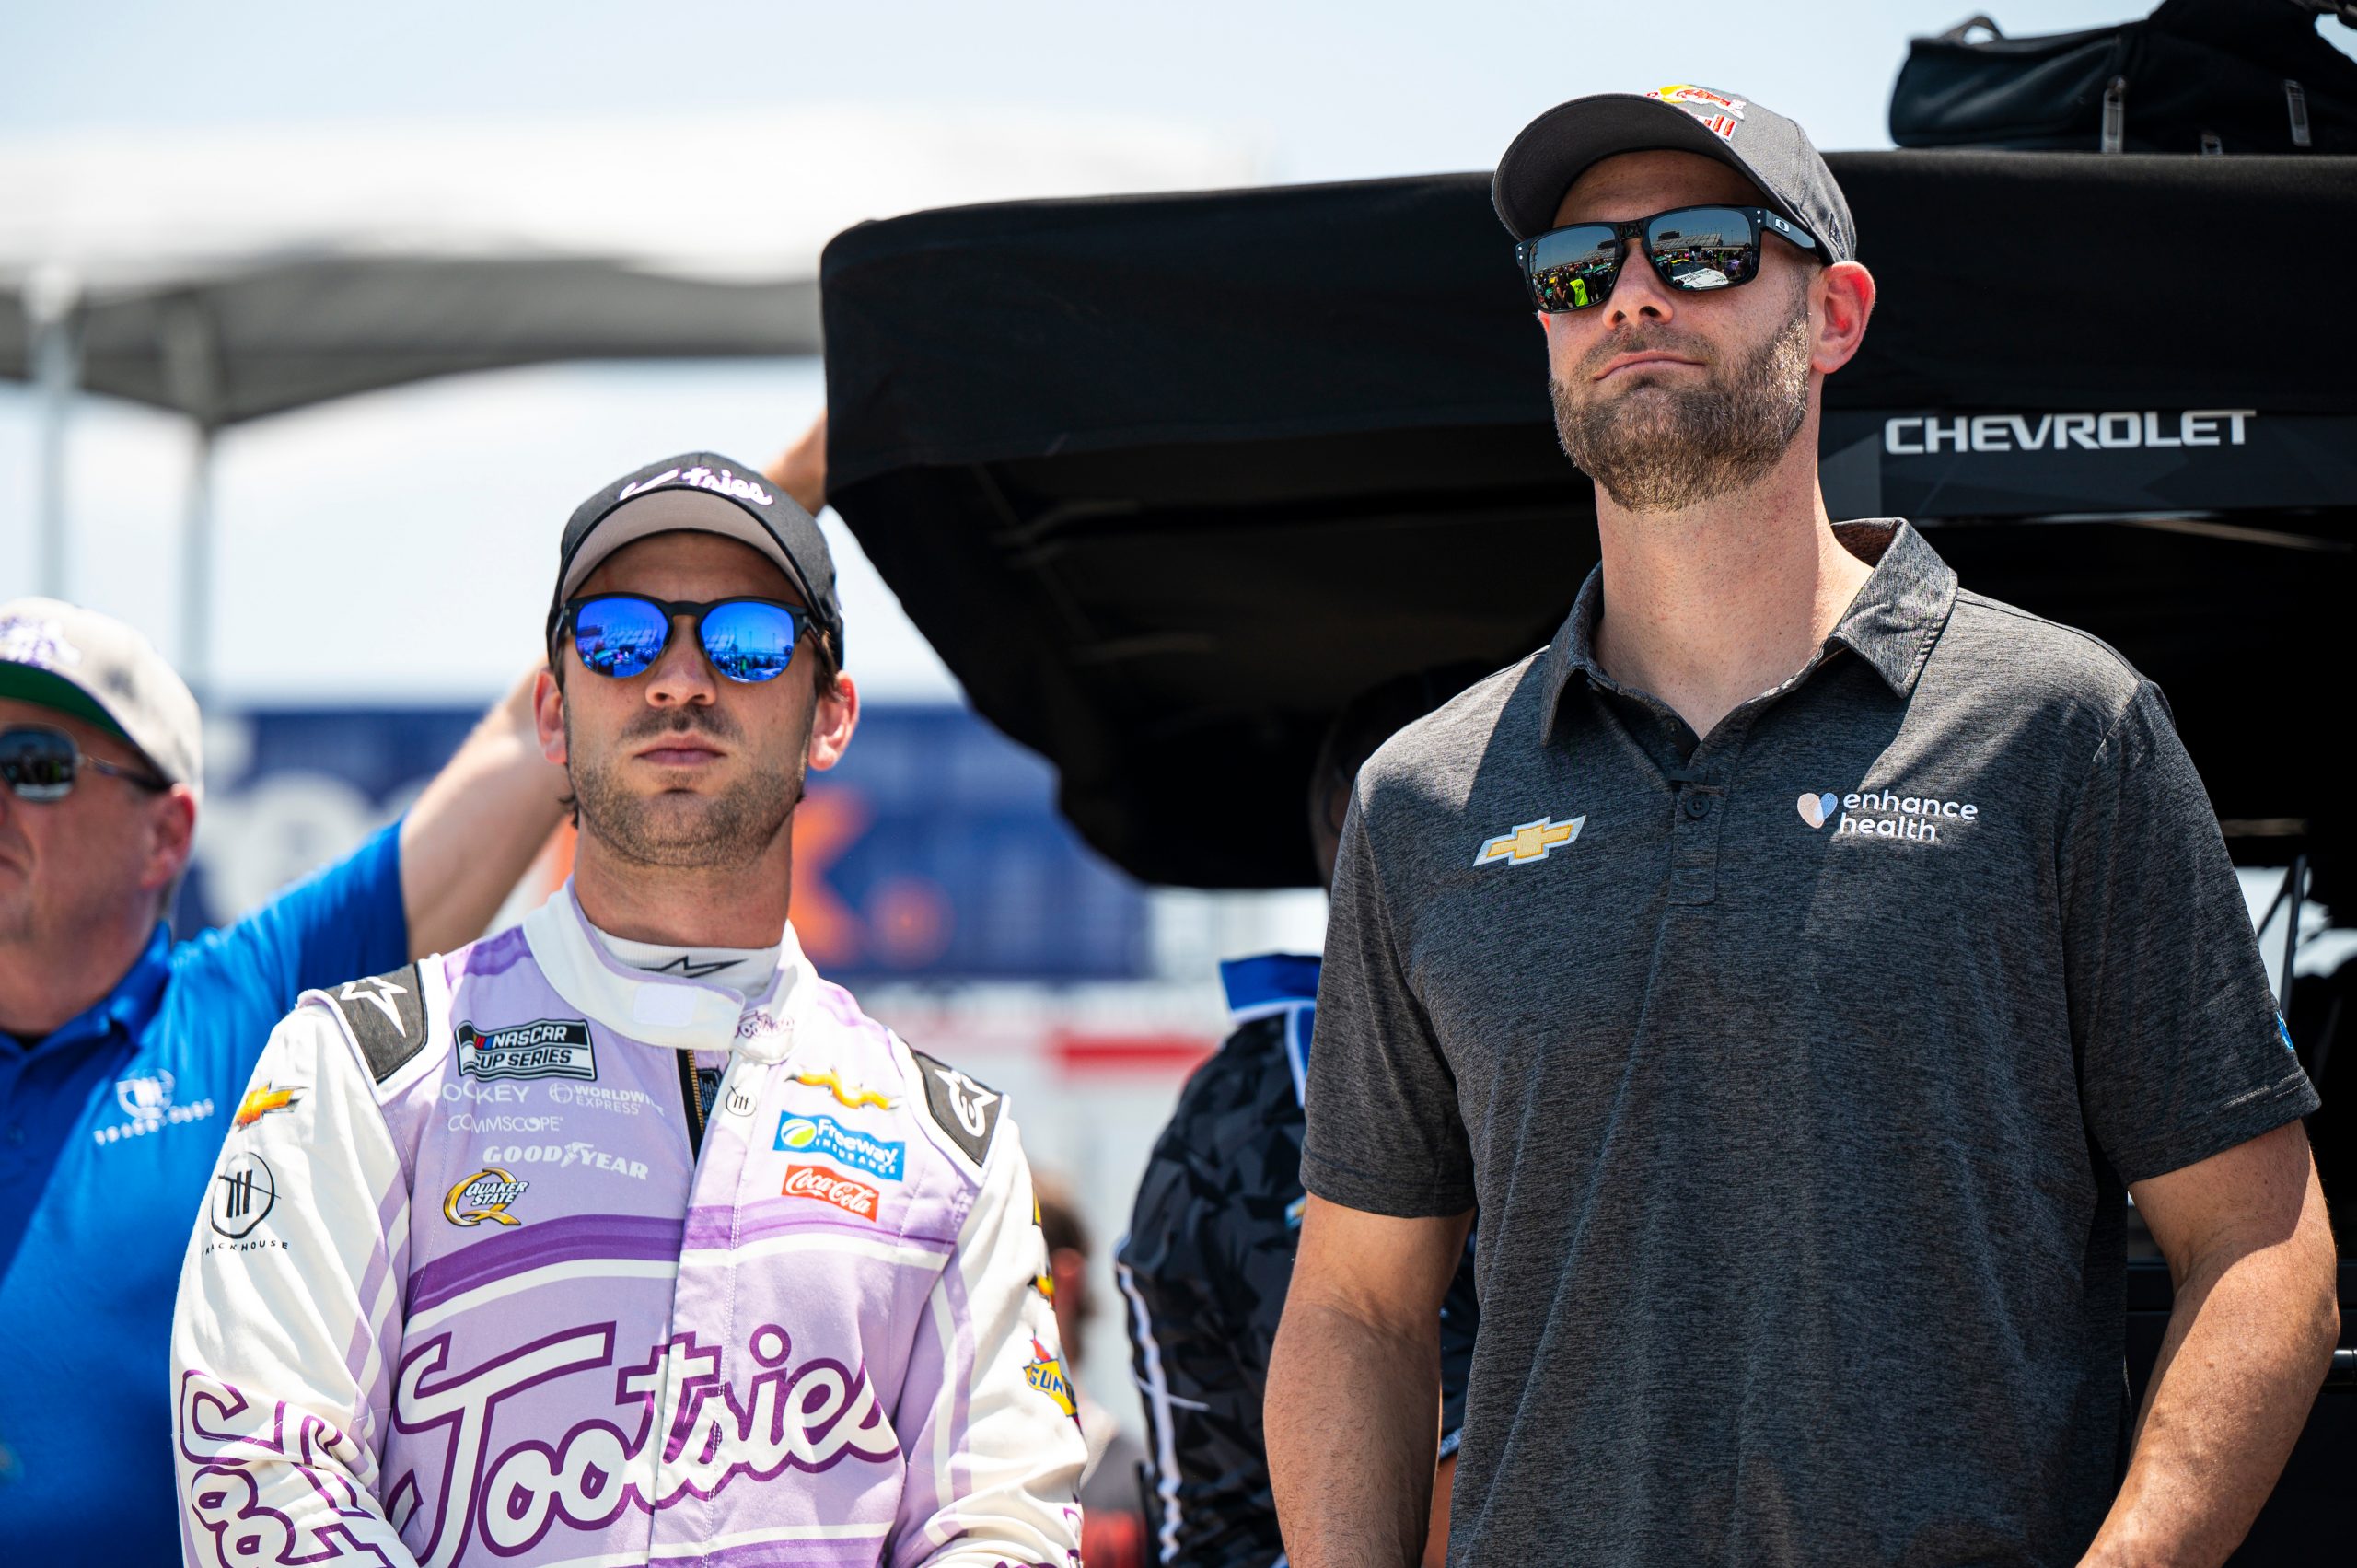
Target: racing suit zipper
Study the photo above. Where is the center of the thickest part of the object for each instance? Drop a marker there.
(691, 1097)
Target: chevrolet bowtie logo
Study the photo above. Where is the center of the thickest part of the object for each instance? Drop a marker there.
(1531, 841)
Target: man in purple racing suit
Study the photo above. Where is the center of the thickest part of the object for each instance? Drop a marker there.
(622, 1236)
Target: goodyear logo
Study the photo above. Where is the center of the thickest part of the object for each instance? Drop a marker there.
(880, 1157)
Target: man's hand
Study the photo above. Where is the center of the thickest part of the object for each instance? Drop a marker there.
(475, 830)
(801, 469)
(2248, 1342)
(1354, 1399)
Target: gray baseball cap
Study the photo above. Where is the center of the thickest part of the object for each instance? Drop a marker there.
(701, 493)
(1763, 147)
(95, 667)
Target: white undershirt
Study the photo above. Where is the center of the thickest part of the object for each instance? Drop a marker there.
(745, 971)
(741, 971)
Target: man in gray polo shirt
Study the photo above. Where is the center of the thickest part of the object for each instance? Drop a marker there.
(1796, 961)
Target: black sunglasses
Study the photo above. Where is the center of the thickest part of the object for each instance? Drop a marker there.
(747, 640)
(39, 763)
(1693, 248)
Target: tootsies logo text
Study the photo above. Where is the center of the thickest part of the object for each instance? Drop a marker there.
(1922, 435)
(510, 1486)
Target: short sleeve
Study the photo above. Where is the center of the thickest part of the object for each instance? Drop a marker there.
(340, 923)
(2181, 1054)
(1384, 1135)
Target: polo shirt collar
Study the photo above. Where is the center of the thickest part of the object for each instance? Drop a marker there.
(1898, 614)
(129, 1006)
(1891, 624)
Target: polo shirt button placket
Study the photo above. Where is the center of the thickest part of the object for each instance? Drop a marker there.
(1694, 825)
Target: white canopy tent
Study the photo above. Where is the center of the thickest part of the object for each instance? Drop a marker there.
(232, 275)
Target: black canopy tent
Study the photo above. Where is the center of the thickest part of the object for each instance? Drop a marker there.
(1168, 478)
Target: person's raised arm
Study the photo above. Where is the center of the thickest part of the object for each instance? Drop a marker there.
(1354, 1385)
(475, 830)
(801, 469)
(2248, 1342)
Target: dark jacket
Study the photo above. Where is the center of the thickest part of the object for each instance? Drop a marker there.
(1204, 1270)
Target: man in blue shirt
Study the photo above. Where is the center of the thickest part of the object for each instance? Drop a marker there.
(124, 1055)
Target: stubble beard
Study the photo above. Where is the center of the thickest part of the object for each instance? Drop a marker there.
(677, 829)
(1664, 448)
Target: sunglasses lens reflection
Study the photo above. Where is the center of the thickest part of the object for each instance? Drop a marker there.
(38, 765)
(1699, 249)
(1572, 269)
(619, 637)
(748, 641)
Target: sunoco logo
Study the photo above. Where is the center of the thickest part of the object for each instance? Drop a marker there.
(549, 1047)
(1917, 435)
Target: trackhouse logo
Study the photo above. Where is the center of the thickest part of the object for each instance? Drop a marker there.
(243, 1194)
(1885, 814)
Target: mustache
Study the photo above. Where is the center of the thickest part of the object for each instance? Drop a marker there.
(661, 725)
(1640, 340)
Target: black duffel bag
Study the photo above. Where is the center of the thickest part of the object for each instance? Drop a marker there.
(2195, 76)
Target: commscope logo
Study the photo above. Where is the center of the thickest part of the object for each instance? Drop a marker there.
(1885, 814)
(1915, 436)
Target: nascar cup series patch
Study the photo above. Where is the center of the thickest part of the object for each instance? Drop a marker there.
(546, 1047)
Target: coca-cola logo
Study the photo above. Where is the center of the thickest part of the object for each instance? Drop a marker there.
(832, 1187)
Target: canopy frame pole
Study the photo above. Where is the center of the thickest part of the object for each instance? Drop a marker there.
(193, 372)
(53, 349)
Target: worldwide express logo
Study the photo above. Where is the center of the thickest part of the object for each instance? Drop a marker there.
(1885, 814)
(846, 1146)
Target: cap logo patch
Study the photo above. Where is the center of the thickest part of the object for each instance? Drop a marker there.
(24, 640)
(720, 480)
(1719, 114)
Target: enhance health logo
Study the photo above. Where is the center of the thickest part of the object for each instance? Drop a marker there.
(1885, 814)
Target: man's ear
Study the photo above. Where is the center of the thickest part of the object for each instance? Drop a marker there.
(171, 835)
(831, 726)
(548, 716)
(1844, 296)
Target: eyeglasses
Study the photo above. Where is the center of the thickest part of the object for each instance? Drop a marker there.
(1692, 248)
(40, 763)
(747, 640)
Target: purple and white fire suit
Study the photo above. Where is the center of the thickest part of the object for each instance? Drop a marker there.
(462, 1293)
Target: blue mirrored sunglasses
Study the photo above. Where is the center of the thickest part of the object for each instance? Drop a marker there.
(747, 640)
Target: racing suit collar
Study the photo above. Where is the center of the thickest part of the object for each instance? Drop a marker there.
(666, 1010)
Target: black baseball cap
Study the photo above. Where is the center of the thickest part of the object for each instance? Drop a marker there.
(1763, 147)
(701, 493)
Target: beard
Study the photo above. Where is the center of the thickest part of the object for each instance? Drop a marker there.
(679, 828)
(1663, 449)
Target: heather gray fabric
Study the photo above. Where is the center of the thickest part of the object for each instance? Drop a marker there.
(1799, 1149)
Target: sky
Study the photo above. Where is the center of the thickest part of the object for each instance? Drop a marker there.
(397, 547)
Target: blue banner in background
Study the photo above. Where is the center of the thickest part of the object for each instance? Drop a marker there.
(935, 852)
